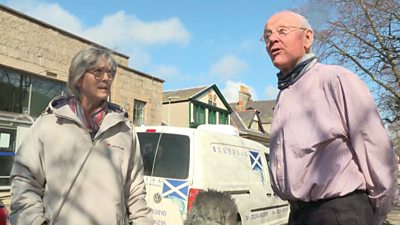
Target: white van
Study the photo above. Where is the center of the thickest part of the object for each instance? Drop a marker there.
(181, 162)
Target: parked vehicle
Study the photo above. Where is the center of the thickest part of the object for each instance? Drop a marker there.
(13, 127)
(4, 220)
(179, 163)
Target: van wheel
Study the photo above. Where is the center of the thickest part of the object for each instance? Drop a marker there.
(238, 219)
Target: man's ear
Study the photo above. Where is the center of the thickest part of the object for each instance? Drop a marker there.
(308, 39)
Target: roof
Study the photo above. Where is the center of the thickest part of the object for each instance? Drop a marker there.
(243, 119)
(237, 121)
(191, 94)
(182, 94)
(247, 116)
(141, 73)
(265, 107)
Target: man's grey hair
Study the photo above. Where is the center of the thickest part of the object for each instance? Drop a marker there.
(83, 61)
(302, 20)
(212, 207)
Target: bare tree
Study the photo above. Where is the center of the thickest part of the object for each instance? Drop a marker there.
(394, 132)
(363, 35)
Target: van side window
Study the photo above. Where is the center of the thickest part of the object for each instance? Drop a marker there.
(172, 159)
(267, 157)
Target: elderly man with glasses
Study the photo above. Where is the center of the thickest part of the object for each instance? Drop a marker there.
(331, 157)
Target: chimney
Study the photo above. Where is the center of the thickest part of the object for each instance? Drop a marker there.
(244, 98)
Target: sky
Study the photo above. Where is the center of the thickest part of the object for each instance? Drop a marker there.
(185, 43)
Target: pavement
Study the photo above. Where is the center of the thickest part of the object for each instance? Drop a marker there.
(394, 216)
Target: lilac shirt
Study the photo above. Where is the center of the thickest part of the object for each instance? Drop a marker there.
(327, 140)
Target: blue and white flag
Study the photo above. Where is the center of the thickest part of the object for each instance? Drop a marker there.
(175, 189)
(255, 160)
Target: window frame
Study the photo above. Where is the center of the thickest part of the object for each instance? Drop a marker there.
(141, 118)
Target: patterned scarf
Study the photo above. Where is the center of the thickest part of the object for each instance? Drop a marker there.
(285, 80)
(93, 121)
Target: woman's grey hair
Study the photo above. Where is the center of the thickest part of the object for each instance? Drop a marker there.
(213, 207)
(83, 61)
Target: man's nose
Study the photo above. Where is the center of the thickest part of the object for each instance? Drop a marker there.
(271, 40)
(273, 37)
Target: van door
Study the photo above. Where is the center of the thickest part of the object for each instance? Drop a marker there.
(166, 160)
(260, 193)
(279, 209)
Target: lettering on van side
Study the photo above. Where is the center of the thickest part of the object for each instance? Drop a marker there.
(228, 150)
(262, 216)
(153, 181)
(159, 222)
(159, 212)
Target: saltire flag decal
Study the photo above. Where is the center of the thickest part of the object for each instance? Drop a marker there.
(175, 188)
(255, 160)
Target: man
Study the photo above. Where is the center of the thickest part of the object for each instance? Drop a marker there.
(331, 157)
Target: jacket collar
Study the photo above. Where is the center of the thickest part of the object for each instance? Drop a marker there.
(59, 106)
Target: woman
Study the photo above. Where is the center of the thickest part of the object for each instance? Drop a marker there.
(81, 162)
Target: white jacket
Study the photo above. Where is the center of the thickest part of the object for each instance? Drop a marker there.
(62, 176)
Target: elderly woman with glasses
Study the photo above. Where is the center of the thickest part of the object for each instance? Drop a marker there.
(81, 162)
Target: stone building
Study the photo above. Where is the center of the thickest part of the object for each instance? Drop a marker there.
(34, 62)
(35, 55)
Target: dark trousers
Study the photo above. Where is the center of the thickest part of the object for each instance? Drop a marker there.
(352, 209)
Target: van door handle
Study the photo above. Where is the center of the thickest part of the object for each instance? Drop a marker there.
(269, 194)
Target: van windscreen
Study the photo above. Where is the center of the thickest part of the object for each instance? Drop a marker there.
(172, 159)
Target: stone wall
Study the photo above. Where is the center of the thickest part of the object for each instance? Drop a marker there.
(43, 50)
(131, 85)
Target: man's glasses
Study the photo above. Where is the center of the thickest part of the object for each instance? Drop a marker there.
(98, 73)
(280, 31)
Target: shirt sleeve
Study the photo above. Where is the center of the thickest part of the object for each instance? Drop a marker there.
(28, 181)
(138, 211)
(369, 141)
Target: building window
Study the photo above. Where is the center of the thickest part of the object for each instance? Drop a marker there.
(212, 117)
(199, 115)
(23, 93)
(138, 112)
(223, 118)
(212, 99)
